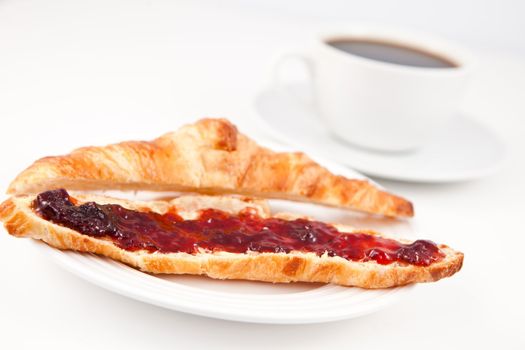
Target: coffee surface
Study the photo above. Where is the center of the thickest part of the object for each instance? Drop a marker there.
(391, 53)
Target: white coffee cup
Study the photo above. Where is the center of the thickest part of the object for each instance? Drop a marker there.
(380, 105)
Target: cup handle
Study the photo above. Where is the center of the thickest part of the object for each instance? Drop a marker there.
(280, 84)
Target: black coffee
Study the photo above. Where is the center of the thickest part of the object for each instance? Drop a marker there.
(391, 53)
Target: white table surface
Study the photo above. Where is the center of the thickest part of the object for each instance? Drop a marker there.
(74, 76)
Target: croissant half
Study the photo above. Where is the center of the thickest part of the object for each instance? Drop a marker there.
(21, 220)
(209, 157)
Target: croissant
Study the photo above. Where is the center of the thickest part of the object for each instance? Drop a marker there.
(209, 157)
(22, 219)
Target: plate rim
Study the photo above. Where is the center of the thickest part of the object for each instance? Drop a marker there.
(63, 261)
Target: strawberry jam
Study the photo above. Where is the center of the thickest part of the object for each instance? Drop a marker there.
(215, 230)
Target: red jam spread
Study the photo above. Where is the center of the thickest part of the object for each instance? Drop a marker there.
(215, 230)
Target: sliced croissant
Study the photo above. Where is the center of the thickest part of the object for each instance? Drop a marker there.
(210, 157)
(21, 220)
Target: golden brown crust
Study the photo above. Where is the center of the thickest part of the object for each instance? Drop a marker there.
(210, 156)
(21, 221)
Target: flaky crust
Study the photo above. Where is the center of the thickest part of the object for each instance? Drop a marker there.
(20, 220)
(212, 157)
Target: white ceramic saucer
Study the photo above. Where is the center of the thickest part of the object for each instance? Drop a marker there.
(462, 151)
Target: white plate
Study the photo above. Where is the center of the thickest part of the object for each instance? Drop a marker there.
(462, 151)
(246, 301)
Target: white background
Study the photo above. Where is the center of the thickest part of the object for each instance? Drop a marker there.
(78, 73)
